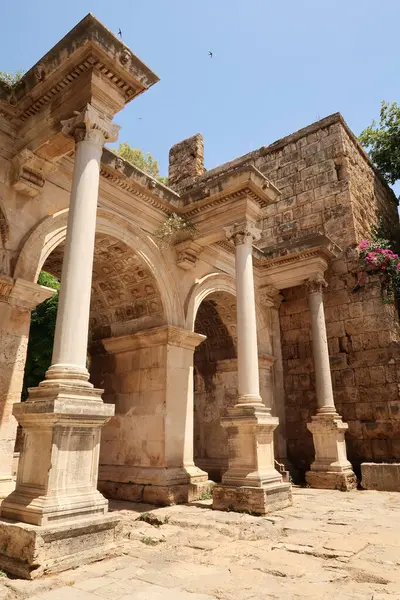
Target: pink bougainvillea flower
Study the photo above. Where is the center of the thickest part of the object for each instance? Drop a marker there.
(363, 244)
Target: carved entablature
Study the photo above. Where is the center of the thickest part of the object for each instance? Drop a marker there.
(29, 173)
(187, 254)
(239, 233)
(91, 126)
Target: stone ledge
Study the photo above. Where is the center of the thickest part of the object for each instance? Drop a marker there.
(384, 477)
(344, 481)
(29, 551)
(155, 494)
(260, 501)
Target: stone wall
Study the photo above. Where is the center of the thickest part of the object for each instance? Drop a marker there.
(328, 185)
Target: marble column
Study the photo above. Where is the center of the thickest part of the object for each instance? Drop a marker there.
(251, 481)
(17, 299)
(63, 416)
(272, 300)
(330, 469)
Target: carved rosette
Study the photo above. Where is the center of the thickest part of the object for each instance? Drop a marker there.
(269, 296)
(316, 285)
(240, 233)
(90, 125)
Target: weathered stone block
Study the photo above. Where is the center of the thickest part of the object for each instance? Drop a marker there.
(260, 501)
(384, 477)
(29, 551)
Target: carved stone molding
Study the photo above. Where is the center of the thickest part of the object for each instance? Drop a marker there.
(24, 294)
(29, 173)
(187, 254)
(315, 285)
(91, 126)
(269, 296)
(239, 232)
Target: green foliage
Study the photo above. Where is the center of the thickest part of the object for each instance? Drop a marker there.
(383, 142)
(144, 162)
(175, 228)
(41, 336)
(11, 78)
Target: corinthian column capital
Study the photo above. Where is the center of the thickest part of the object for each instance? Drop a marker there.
(240, 232)
(269, 296)
(316, 284)
(91, 126)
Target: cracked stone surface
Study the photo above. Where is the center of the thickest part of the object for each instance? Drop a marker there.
(329, 544)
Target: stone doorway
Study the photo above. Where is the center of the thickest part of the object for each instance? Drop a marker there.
(215, 381)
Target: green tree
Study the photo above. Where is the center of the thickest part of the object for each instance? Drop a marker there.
(382, 141)
(11, 78)
(41, 336)
(144, 161)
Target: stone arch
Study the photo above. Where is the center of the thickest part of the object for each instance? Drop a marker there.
(4, 266)
(222, 282)
(51, 231)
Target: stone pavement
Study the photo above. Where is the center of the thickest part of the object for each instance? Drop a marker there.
(329, 545)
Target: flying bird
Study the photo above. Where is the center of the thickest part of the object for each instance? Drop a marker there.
(120, 33)
(210, 54)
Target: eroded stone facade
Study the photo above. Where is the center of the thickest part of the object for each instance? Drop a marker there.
(252, 342)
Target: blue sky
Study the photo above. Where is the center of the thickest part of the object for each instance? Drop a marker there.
(277, 66)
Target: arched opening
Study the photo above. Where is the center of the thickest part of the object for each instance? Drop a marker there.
(215, 381)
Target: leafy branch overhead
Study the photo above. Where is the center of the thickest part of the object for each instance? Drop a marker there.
(11, 78)
(143, 161)
(382, 141)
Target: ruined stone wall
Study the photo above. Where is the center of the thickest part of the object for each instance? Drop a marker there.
(327, 185)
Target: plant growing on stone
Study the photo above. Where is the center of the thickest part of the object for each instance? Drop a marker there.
(176, 228)
(11, 78)
(377, 256)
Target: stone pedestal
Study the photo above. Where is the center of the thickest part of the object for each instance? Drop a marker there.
(28, 551)
(331, 469)
(251, 483)
(57, 472)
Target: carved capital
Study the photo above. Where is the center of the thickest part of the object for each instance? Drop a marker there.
(270, 297)
(29, 172)
(239, 233)
(316, 284)
(91, 126)
(187, 254)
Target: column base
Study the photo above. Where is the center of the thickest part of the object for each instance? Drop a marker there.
(57, 472)
(331, 469)
(253, 500)
(345, 481)
(28, 551)
(159, 486)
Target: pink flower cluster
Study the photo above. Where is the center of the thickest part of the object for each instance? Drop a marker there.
(379, 258)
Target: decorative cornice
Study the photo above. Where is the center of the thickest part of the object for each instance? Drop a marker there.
(316, 284)
(90, 125)
(240, 233)
(211, 201)
(131, 188)
(295, 257)
(87, 47)
(157, 336)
